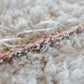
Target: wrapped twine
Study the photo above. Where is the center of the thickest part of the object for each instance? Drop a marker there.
(38, 44)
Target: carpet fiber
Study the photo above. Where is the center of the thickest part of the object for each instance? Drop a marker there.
(26, 21)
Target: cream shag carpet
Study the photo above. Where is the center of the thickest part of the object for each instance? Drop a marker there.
(26, 21)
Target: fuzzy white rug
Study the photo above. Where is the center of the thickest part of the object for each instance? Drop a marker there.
(25, 21)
